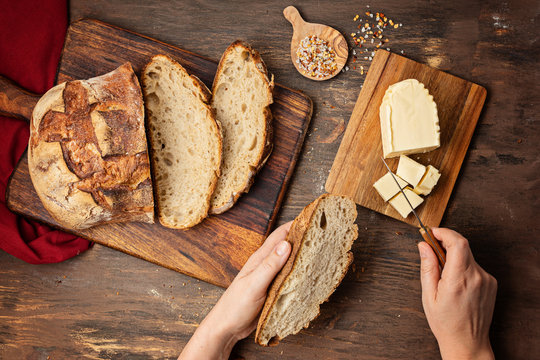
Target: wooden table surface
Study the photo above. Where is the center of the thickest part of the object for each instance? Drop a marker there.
(105, 304)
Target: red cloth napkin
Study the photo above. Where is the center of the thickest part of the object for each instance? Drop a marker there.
(31, 38)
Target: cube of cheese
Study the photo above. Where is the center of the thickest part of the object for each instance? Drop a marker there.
(410, 171)
(409, 120)
(387, 187)
(400, 203)
(428, 181)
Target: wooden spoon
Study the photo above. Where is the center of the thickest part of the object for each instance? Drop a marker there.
(301, 29)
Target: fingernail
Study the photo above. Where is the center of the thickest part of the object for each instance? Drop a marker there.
(423, 253)
(281, 249)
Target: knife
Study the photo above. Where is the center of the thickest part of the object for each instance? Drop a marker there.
(425, 231)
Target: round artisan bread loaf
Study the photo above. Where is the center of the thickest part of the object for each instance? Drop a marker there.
(87, 153)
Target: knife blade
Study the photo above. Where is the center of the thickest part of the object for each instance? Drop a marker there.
(425, 231)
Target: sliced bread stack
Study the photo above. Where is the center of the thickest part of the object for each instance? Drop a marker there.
(185, 142)
(321, 237)
(206, 148)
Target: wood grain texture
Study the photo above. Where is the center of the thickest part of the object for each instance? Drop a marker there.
(302, 29)
(376, 313)
(15, 101)
(215, 249)
(358, 163)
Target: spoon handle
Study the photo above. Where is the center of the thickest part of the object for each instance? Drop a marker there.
(293, 16)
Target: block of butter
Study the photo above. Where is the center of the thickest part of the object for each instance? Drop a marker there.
(428, 181)
(409, 120)
(400, 203)
(410, 171)
(387, 187)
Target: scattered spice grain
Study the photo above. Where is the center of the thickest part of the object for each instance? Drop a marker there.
(369, 34)
(315, 57)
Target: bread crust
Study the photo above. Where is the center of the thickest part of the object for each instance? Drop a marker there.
(268, 131)
(296, 236)
(205, 98)
(87, 152)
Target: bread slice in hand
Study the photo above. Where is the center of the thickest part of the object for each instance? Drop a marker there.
(321, 237)
(241, 95)
(185, 142)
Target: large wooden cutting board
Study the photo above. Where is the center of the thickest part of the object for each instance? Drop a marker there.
(358, 162)
(217, 248)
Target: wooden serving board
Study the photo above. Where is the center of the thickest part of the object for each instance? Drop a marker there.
(358, 162)
(217, 248)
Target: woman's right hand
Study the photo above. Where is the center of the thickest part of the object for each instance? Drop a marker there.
(458, 302)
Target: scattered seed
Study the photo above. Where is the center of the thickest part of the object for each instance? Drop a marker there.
(315, 57)
(372, 28)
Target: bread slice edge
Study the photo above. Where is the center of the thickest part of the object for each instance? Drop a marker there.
(206, 97)
(296, 237)
(267, 149)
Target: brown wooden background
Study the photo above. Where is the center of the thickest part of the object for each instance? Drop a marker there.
(105, 304)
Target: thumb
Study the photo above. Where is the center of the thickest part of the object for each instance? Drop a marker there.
(267, 270)
(429, 270)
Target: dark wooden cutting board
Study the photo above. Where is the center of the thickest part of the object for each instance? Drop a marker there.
(358, 162)
(217, 248)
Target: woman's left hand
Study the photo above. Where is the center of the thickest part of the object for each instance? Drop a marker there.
(236, 313)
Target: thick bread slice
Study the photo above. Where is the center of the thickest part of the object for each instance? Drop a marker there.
(242, 94)
(185, 142)
(321, 237)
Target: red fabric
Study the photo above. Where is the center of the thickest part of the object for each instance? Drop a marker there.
(31, 38)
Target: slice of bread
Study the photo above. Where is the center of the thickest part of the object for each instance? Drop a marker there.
(321, 237)
(241, 95)
(185, 142)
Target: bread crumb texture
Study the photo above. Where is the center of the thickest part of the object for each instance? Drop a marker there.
(185, 142)
(241, 96)
(319, 267)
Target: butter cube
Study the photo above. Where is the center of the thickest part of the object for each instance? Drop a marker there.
(409, 119)
(387, 187)
(410, 171)
(428, 181)
(400, 203)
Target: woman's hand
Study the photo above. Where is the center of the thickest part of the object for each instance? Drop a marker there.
(236, 313)
(459, 302)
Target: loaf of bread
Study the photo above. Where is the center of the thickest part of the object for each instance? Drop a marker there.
(87, 153)
(185, 142)
(242, 93)
(321, 237)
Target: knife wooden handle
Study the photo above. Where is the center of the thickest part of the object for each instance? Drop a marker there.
(15, 101)
(437, 248)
